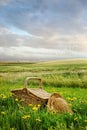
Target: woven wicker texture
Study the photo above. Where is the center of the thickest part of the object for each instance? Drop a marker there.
(32, 95)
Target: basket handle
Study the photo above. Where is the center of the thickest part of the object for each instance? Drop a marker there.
(31, 78)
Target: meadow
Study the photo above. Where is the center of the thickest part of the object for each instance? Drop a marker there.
(68, 78)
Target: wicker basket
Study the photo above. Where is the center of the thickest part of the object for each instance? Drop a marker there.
(32, 95)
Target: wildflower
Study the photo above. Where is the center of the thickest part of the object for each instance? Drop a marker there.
(12, 129)
(16, 99)
(74, 98)
(70, 104)
(30, 105)
(35, 108)
(25, 116)
(68, 98)
(61, 93)
(38, 106)
(3, 113)
(85, 120)
(38, 120)
(2, 96)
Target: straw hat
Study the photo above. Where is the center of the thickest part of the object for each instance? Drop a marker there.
(56, 103)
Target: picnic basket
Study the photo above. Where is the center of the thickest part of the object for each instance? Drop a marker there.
(32, 95)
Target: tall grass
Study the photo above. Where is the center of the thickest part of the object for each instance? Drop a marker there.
(66, 74)
(15, 116)
(67, 78)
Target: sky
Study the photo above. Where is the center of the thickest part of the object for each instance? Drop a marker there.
(38, 30)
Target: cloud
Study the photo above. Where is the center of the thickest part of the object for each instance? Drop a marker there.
(4, 2)
(44, 17)
(56, 26)
(10, 37)
(57, 41)
(39, 16)
(4, 30)
(33, 54)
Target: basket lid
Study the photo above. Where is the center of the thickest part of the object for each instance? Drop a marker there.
(39, 93)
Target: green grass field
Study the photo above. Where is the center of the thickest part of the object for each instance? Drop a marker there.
(68, 78)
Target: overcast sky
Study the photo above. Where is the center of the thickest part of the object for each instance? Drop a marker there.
(43, 29)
